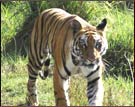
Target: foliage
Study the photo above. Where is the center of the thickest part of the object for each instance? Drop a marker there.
(119, 32)
(118, 90)
(13, 15)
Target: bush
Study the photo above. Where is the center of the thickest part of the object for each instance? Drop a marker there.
(14, 16)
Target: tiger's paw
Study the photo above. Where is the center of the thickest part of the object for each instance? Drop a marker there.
(43, 74)
(32, 100)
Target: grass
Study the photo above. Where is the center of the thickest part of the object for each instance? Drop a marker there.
(13, 88)
(118, 87)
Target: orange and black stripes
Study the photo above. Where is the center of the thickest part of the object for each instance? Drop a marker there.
(48, 26)
(58, 33)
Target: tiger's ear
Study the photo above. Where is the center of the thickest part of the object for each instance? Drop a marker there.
(75, 25)
(102, 25)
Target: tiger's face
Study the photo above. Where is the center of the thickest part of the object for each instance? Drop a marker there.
(89, 47)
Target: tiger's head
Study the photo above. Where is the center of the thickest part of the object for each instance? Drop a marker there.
(89, 45)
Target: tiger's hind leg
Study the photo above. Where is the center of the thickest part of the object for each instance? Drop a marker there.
(61, 86)
(32, 98)
(42, 69)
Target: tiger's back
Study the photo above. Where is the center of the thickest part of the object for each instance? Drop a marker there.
(49, 36)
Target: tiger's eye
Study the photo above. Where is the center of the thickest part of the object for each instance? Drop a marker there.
(98, 45)
(83, 45)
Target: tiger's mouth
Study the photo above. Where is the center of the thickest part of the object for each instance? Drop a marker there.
(80, 61)
(90, 64)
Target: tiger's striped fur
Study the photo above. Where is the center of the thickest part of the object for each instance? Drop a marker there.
(75, 45)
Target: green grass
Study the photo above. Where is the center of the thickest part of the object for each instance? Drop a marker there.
(120, 30)
(118, 92)
(14, 79)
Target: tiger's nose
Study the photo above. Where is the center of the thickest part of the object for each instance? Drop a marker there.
(94, 60)
(91, 58)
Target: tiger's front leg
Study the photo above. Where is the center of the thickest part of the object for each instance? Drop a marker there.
(95, 92)
(60, 89)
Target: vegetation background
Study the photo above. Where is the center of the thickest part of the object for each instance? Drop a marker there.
(17, 19)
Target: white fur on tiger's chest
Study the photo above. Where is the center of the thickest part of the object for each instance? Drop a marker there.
(86, 71)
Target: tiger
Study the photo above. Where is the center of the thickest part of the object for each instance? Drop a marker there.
(75, 45)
